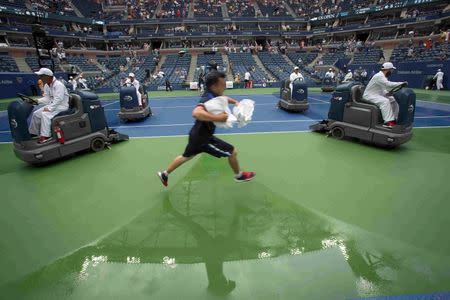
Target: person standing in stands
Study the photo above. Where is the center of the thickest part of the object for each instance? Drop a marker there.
(439, 77)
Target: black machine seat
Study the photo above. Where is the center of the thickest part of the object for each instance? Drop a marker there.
(356, 94)
(73, 106)
(75, 109)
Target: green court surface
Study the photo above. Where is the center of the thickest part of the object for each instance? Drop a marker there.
(324, 219)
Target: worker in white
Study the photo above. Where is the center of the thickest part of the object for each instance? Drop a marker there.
(439, 77)
(247, 79)
(82, 82)
(329, 74)
(131, 81)
(376, 92)
(296, 74)
(73, 82)
(348, 77)
(55, 100)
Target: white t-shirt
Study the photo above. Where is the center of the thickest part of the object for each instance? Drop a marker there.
(439, 75)
(295, 76)
(247, 76)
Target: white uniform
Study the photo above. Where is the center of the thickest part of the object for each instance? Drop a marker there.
(293, 77)
(376, 91)
(83, 83)
(135, 83)
(74, 84)
(439, 79)
(329, 74)
(56, 100)
(348, 77)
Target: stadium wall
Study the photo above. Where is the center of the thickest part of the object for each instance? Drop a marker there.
(415, 73)
(13, 83)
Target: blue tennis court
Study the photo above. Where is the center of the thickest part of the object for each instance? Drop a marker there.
(172, 116)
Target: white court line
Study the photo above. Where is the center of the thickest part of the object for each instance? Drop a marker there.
(243, 133)
(320, 100)
(114, 102)
(193, 106)
(258, 122)
(431, 117)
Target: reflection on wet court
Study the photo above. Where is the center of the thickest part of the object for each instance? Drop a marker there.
(206, 238)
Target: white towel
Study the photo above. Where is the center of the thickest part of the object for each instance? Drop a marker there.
(242, 114)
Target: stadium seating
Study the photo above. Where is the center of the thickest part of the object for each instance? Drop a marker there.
(82, 62)
(371, 56)
(240, 8)
(8, 64)
(173, 9)
(272, 8)
(276, 64)
(421, 54)
(306, 58)
(32, 61)
(175, 68)
(207, 8)
(243, 62)
(331, 58)
(203, 59)
(13, 3)
(88, 8)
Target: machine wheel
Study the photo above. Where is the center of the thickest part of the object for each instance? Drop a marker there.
(337, 133)
(97, 144)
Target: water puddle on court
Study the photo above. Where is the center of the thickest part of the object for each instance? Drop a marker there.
(208, 237)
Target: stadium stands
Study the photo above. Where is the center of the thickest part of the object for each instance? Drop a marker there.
(173, 9)
(83, 63)
(207, 8)
(240, 8)
(8, 64)
(332, 57)
(243, 62)
(32, 61)
(13, 3)
(175, 68)
(272, 8)
(276, 64)
(371, 56)
(302, 59)
(60, 7)
(437, 52)
(88, 8)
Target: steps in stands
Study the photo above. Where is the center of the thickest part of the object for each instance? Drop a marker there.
(75, 9)
(387, 54)
(226, 62)
(225, 10)
(192, 68)
(158, 9)
(261, 65)
(22, 64)
(313, 63)
(290, 10)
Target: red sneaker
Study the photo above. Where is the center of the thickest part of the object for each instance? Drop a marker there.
(245, 176)
(43, 139)
(390, 124)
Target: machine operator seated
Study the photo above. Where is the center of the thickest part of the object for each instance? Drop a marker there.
(376, 92)
(55, 100)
